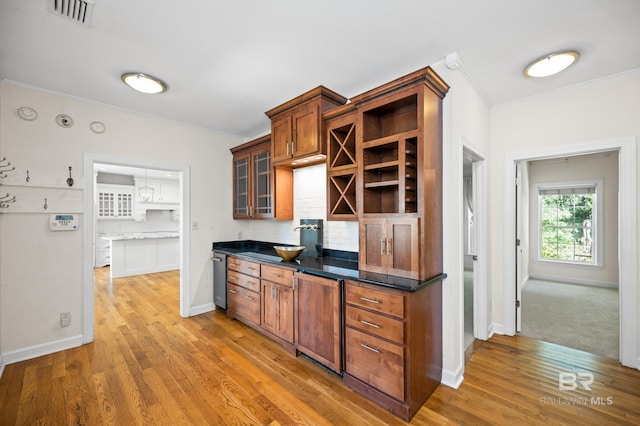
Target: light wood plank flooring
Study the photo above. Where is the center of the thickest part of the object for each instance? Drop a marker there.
(149, 366)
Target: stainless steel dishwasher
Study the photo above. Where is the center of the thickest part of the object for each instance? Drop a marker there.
(220, 279)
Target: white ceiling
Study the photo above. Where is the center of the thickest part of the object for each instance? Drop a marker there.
(228, 62)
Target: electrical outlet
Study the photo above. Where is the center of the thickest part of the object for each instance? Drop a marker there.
(65, 319)
(195, 226)
(239, 235)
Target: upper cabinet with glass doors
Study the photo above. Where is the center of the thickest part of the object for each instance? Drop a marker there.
(254, 182)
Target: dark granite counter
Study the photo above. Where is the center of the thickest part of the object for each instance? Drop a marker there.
(334, 264)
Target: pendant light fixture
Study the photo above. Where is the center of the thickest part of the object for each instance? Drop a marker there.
(144, 83)
(146, 192)
(551, 64)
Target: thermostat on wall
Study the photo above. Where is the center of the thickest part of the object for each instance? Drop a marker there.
(63, 222)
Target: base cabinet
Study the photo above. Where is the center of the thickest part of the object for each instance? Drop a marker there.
(277, 314)
(243, 290)
(318, 321)
(393, 345)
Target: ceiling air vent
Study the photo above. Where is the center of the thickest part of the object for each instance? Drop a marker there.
(79, 11)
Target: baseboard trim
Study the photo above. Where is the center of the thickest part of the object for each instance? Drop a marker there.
(201, 309)
(497, 329)
(1, 365)
(524, 282)
(452, 379)
(43, 349)
(571, 280)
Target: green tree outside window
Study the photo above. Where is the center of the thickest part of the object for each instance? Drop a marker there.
(566, 227)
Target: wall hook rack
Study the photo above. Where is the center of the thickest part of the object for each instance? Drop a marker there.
(28, 178)
(5, 167)
(45, 204)
(6, 201)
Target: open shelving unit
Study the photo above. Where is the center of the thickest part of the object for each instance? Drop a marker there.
(390, 157)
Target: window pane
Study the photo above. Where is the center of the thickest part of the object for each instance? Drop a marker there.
(566, 228)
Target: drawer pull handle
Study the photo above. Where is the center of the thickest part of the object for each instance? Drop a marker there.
(364, 345)
(232, 291)
(251, 267)
(366, 299)
(275, 275)
(248, 297)
(370, 324)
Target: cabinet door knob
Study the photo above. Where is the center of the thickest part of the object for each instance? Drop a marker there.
(364, 345)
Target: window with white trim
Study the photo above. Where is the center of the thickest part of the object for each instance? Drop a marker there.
(568, 223)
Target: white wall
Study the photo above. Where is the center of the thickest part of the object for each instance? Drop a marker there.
(599, 166)
(591, 113)
(466, 123)
(41, 273)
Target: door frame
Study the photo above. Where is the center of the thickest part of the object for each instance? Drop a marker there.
(89, 160)
(627, 231)
(481, 299)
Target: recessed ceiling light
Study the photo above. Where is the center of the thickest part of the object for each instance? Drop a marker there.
(551, 64)
(144, 83)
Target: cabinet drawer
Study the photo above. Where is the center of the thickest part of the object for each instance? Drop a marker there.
(244, 266)
(388, 328)
(373, 299)
(375, 362)
(241, 280)
(244, 303)
(278, 275)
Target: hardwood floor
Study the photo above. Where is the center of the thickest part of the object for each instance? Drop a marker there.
(149, 366)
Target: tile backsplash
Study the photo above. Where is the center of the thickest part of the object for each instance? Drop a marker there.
(309, 202)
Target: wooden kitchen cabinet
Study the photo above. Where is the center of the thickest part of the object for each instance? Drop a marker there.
(399, 157)
(318, 325)
(390, 246)
(277, 314)
(259, 191)
(297, 127)
(243, 290)
(393, 344)
(342, 167)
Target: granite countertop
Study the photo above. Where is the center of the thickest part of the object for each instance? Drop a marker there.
(334, 264)
(141, 235)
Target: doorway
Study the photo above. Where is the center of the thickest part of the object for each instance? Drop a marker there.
(627, 229)
(567, 259)
(89, 223)
(475, 298)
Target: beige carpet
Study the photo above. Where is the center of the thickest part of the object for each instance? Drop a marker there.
(576, 316)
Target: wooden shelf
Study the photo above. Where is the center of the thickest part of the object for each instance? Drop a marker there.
(382, 184)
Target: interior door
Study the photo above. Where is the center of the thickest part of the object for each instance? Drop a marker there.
(518, 248)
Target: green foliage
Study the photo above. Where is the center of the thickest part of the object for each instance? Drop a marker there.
(566, 227)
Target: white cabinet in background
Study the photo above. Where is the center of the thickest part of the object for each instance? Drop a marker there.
(164, 191)
(103, 251)
(114, 202)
